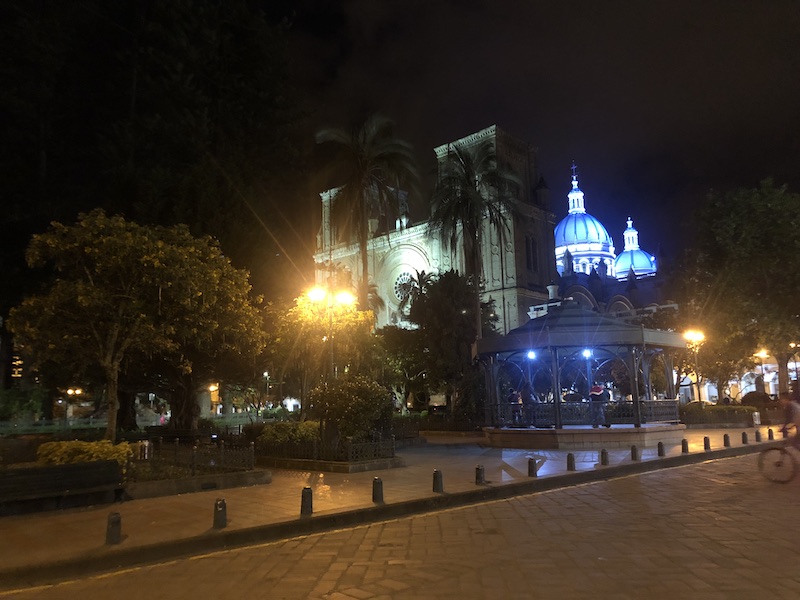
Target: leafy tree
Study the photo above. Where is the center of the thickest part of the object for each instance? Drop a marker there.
(312, 339)
(350, 407)
(740, 278)
(120, 289)
(370, 165)
(472, 192)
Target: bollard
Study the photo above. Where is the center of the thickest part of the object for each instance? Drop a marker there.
(770, 434)
(604, 457)
(706, 443)
(634, 453)
(220, 514)
(744, 437)
(533, 469)
(438, 483)
(306, 502)
(726, 440)
(570, 462)
(758, 435)
(377, 490)
(480, 475)
(785, 433)
(685, 446)
(114, 529)
(661, 451)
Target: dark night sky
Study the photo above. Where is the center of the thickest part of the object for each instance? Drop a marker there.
(656, 101)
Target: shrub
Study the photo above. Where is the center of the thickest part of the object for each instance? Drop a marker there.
(64, 453)
(696, 415)
(288, 432)
(354, 406)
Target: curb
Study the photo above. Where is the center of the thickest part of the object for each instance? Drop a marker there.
(111, 558)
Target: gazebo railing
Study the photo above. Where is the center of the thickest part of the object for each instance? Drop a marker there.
(580, 413)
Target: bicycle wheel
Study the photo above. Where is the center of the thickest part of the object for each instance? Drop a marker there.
(776, 464)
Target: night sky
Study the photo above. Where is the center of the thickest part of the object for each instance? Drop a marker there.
(656, 101)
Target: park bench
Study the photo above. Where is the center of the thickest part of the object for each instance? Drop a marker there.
(59, 486)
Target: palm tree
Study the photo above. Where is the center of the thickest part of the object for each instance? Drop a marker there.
(471, 191)
(371, 166)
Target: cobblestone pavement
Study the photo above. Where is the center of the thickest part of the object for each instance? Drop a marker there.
(714, 530)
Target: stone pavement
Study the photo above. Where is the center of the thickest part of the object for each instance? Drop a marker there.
(50, 546)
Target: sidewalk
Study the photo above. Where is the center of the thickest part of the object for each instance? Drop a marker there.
(51, 545)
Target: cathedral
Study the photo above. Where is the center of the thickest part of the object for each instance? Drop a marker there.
(577, 254)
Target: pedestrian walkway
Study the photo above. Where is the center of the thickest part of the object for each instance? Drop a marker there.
(58, 543)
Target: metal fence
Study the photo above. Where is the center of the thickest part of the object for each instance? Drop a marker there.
(580, 413)
(208, 457)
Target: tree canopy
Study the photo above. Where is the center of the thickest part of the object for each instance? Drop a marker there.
(741, 276)
(119, 289)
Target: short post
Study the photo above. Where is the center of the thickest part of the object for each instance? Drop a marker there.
(634, 453)
(377, 490)
(438, 483)
(570, 462)
(706, 443)
(685, 446)
(306, 502)
(533, 468)
(726, 440)
(222, 453)
(770, 434)
(114, 529)
(220, 514)
(604, 457)
(661, 451)
(480, 475)
(758, 435)
(785, 433)
(744, 437)
(252, 455)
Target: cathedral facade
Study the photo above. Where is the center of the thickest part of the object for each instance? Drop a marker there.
(577, 254)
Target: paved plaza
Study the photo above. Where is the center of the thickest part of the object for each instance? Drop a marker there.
(715, 529)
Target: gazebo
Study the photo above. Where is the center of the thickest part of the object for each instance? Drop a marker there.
(552, 361)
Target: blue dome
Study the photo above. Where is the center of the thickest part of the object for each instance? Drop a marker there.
(642, 262)
(581, 228)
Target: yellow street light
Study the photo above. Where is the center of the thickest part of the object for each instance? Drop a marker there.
(695, 339)
(334, 298)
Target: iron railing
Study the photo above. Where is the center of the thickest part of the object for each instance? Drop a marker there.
(580, 413)
(344, 451)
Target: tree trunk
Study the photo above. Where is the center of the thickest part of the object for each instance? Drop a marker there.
(185, 411)
(126, 415)
(112, 389)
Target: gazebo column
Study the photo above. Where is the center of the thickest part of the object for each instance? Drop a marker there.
(669, 367)
(556, 383)
(647, 359)
(633, 369)
(489, 414)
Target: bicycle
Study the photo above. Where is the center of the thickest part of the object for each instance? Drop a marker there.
(777, 464)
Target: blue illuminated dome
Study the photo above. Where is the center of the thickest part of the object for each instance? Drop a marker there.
(643, 263)
(583, 236)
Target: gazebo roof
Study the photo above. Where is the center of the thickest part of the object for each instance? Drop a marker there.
(572, 326)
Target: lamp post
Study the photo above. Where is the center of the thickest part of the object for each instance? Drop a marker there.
(332, 299)
(695, 338)
(761, 355)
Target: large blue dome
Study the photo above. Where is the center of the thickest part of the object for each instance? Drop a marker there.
(581, 228)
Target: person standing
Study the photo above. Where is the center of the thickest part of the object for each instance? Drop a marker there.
(598, 397)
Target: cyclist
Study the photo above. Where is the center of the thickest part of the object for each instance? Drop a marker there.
(791, 418)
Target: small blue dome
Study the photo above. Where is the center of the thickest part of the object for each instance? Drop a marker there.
(581, 228)
(642, 262)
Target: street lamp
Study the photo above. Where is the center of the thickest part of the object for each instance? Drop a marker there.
(695, 338)
(761, 355)
(332, 298)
